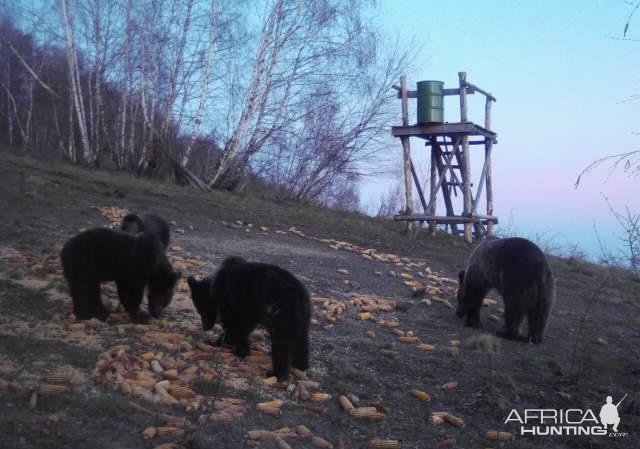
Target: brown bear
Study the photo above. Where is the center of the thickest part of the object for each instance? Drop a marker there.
(520, 272)
(244, 294)
(158, 226)
(132, 261)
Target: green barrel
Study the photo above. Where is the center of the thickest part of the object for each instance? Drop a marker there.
(430, 102)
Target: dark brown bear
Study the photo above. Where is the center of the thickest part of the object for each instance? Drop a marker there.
(520, 272)
(100, 255)
(134, 224)
(244, 294)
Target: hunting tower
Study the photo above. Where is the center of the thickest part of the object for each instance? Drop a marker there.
(450, 165)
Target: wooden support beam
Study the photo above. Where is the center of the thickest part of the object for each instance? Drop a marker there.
(406, 152)
(446, 192)
(447, 219)
(432, 199)
(481, 229)
(471, 142)
(483, 92)
(432, 187)
(483, 174)
(456, 91)
(466, 189)
(428, 130)
(418, 186)
(487, 161)
(459, 158)
(446, 92)
(454, 151)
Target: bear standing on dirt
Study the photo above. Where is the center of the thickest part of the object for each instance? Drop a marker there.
(132, 261)
(134, 224)
(244, 294)
(519, 271)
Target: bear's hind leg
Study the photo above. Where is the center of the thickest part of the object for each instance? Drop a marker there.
(280, 358)
(301, 352)
(86, 300)
(513, 316)
(535, 327)
(537, 321)
(99, 310)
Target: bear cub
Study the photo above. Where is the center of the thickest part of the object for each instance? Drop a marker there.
(244, 294)
(134, 224)
(520, 272)
(99, 255)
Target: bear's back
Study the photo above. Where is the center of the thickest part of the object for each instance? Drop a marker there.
(257, 287)
(511, 259)
(159, 227)
(109, 255)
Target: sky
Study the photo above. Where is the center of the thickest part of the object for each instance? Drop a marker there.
(561, 79)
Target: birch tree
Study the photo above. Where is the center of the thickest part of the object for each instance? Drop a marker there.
(303, 48)
(88, 153)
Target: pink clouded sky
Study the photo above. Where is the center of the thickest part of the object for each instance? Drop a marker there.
(561, 79)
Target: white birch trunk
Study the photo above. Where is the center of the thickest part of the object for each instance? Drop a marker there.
(255, 98)
(75, 85)
(122, 143)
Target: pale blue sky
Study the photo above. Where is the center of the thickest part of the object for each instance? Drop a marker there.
(560, 80)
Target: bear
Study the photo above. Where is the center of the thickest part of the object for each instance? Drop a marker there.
(244, 294)
(134, 224)
(520, 272)
(101, 254)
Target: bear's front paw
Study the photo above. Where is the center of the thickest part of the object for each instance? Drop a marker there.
(224, 340)
(511, 336)
(140, 318)
(242, 350)
(472, 323)
(282, 377)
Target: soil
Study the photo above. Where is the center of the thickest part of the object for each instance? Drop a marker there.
(591, 349)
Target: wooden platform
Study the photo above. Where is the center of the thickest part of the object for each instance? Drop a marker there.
(446, 219)
(442, 129)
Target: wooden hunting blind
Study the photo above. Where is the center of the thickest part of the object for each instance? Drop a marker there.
(450, 166)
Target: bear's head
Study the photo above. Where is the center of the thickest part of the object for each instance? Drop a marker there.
(203, 302)
(132, 224)
(471, 291)
(162, 283)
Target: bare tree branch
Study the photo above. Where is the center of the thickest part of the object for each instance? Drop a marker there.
(32, 72)
(630, 160)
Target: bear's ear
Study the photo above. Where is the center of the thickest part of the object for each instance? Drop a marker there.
(191, 281)
(177, 275)
(461, 276)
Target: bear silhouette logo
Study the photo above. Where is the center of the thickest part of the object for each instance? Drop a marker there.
(609, 413)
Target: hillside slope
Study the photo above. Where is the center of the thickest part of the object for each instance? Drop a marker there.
(351, 264)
